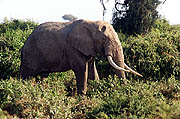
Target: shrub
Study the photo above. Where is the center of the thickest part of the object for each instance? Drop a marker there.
(136, 100)
(44, 99)
(12, 36)
(15, 24)
(156, 55)
(29, 99)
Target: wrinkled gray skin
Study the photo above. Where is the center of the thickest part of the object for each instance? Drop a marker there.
(58, 47)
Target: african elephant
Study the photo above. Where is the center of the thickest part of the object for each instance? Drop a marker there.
(58, 47)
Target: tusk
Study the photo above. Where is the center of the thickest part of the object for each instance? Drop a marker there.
(131, 70)
(116, 66)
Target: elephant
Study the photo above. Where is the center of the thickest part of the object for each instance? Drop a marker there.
(62, 46)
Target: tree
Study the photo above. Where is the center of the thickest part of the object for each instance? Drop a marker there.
(135, 16)
(69, 17)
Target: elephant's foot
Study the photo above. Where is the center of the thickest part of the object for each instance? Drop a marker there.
(81, 87)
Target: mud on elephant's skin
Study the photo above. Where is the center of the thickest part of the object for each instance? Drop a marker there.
(58, 47)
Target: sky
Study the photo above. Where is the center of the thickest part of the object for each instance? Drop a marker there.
(53, 10)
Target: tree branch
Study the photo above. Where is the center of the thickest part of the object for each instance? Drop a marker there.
(102, 2)
(164, 1)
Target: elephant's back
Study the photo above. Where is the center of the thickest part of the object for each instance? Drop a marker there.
(52, 26)
(59, 27)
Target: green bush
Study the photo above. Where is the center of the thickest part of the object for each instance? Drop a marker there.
(157, 54)
(136, 100)
(12, 36)
(106, 99)
(29, 99)
(44, 99)
(15, 24)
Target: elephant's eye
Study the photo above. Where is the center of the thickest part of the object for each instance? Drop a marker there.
(103, 29)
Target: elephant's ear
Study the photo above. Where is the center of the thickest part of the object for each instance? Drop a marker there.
(81, 38)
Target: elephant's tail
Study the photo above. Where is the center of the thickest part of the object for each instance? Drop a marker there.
(21, 65)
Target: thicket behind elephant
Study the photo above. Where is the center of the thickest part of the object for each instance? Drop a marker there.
(58, 47)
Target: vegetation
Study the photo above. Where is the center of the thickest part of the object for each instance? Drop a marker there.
(135, 16)
(156, 54)
(12, 36)
(156, 96)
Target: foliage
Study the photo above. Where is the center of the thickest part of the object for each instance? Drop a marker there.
(157, 54)
(12, 36)
(106, 99)
(44, 99)
(135, 16)
(136, 100)
(3, 115)
(15, 24)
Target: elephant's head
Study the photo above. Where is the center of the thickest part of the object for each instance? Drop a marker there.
(91, 38)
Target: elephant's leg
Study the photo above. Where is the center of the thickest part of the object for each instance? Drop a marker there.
(92, 71)
(79, 64)
(81, 79)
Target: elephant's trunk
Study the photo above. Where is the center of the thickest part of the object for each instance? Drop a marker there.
(118, 58)
(114, 53)
(115, 57)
